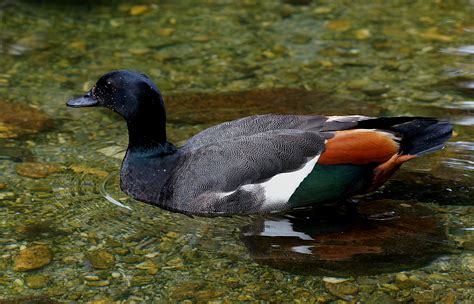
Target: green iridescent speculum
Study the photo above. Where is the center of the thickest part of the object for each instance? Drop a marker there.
(328, 182)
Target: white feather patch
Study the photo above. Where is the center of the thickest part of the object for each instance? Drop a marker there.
(347, 118)
(280, 187)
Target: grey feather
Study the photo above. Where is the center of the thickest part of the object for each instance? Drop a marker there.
(228, 165)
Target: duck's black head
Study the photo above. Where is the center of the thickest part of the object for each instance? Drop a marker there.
(136, 98)
(125, 92)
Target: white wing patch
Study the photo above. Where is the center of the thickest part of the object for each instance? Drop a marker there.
(347, 118)
(280, 187)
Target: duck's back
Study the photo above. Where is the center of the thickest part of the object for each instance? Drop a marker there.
(256, 124)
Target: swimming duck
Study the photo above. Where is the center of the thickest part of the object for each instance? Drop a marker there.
(257, 164)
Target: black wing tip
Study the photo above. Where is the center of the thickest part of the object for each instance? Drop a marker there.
(427, 135)
(420, 135)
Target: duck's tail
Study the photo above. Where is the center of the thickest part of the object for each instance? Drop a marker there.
(419, 135)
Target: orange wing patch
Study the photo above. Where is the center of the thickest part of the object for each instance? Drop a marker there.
(359, 147)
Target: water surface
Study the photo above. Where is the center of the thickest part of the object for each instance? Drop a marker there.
(217, 61)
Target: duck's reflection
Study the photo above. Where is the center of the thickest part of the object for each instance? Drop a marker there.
(375, 237)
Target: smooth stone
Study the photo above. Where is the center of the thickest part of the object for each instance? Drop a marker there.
(339, 25)
(100, 259)
(434, 36)
(357, 84)
(184, 290)
(37, 170)
(33, 258)
(172, 234)
(131, 259)
(18, 119)
(120, 251)
(149, 266)
(428, 296)
(84, 169)
(177, 262)
(320, 10)
(37, 281)
(391, 287)
(334, 280)
(401, 277)
(139, 9)
(343, 290)
(362, 34)
(91, 277)
(207, 295)
(7, 196)
(116, 275)
(166, 32)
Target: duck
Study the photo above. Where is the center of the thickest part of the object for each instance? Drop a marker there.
(268, 163)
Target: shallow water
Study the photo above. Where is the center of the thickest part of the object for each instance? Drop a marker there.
(214, 62)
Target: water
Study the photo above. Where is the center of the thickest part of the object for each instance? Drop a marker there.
(214, 62)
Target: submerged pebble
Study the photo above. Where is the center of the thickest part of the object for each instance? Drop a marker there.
(7, 196)
(37, 170)
(139, 9)
(37, 281)
(100, 259)
(33, 258)
(339, 25)
(343, 290)
(18, 119)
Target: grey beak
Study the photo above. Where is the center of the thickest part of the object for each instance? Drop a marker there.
(84, 101)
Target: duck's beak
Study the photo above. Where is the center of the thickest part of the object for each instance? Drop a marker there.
(84, 101)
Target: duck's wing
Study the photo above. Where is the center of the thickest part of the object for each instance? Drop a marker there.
(252, 125)
(244, 174)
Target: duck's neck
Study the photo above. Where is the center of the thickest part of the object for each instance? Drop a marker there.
(147, 132)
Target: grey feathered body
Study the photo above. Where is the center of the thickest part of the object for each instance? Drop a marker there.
(223, 159)
(261, 164)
